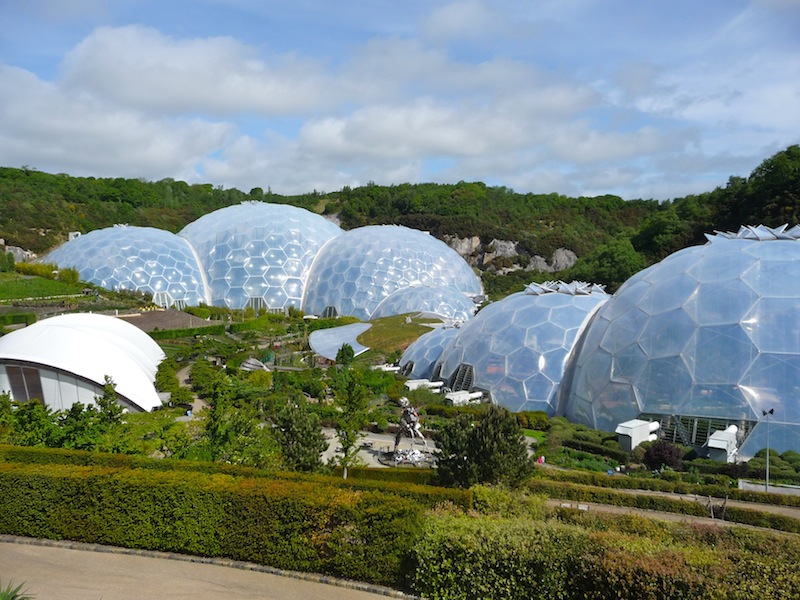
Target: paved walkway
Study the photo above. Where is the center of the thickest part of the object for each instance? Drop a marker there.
(71, 571)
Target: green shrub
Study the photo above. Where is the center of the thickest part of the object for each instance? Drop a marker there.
(294, 525)
(484, 559)
(171, 334)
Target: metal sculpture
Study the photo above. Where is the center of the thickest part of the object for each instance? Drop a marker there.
(409, 425)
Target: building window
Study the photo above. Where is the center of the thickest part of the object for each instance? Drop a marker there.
(25, 383)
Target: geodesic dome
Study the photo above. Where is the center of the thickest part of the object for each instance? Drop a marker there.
(420, 358)
(258, 254)
(360, 269)
(517, 348)
(136, 258)
(444, 302)
(708, 337)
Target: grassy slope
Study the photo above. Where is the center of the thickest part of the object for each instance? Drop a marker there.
(14, 286)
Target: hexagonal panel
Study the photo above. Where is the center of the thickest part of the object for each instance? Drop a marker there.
(270, 241)
(133, 258)
(391, 258)
(742, 353)
(514, 351)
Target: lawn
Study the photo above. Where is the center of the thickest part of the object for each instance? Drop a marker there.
(393, 333)
(14, 286)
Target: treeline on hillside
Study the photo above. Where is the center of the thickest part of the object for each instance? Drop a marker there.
(612, 237)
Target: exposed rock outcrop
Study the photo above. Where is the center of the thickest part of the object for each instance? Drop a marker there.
(502, 256)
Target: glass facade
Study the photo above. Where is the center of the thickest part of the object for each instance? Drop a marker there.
(420, 358)
(258, 254)
(136, 258)
(710, 332)
(517, 348)
(447, 303)
(362, 268)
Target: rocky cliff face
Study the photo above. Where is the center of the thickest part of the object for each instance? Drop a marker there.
(20, 254)
(502, 256)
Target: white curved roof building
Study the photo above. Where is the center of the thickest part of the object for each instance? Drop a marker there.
(65, 359)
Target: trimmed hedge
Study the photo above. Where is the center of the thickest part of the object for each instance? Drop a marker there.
(293, 525)
(592, 448)
(171, 334)
(394, 482)
(662, 485)
(17, 319)
(464, 558)
(584, 493)
(399, 474)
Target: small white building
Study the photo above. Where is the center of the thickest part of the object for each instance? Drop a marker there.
(632, 433)
(722, 445)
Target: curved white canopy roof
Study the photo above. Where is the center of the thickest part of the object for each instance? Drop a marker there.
(91, 347)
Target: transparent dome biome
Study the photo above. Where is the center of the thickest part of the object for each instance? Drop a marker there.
(136, 258)
(257, 254)
(360, 269)
(420, 358)
(444, 302)
(708, 337)
(517, 348)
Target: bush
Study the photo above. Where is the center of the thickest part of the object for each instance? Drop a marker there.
(294, 525)
(663, 454)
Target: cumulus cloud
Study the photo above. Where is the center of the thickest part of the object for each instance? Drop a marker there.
(43, 126)
(142, 68)
(497, 92)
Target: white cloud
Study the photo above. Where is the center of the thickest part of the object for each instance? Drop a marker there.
(46, 128)
(516, 95)
(140, 67)
(462, 20)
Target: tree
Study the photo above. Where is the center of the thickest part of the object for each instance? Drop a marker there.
(663, 454)
(611, 264)
(353, 404)
(300, 436)
(236, 435)
(345, 355)
(490, 451)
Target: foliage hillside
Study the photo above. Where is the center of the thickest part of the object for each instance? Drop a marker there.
(612, 237)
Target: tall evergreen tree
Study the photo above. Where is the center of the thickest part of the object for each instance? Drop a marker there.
(490, 451)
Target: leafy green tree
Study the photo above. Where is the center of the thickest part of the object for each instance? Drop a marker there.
(352, 402)
(611, 264)
(79, 427)
(35, 425)
(235, 434)
(108, 406)
(345, 355)
(8, 422)
(300, 436)
(490, 451)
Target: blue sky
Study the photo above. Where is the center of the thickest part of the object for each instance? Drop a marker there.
(643, 99)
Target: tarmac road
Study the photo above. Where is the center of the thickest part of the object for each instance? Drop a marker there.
(53, 570)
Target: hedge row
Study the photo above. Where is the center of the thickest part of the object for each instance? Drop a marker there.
(293, 525)
(171, 334)
(490, 558)
(583, 493)
(399, 474)
(662, 485)
(618, 455)
(393, 482)
(17, 319)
